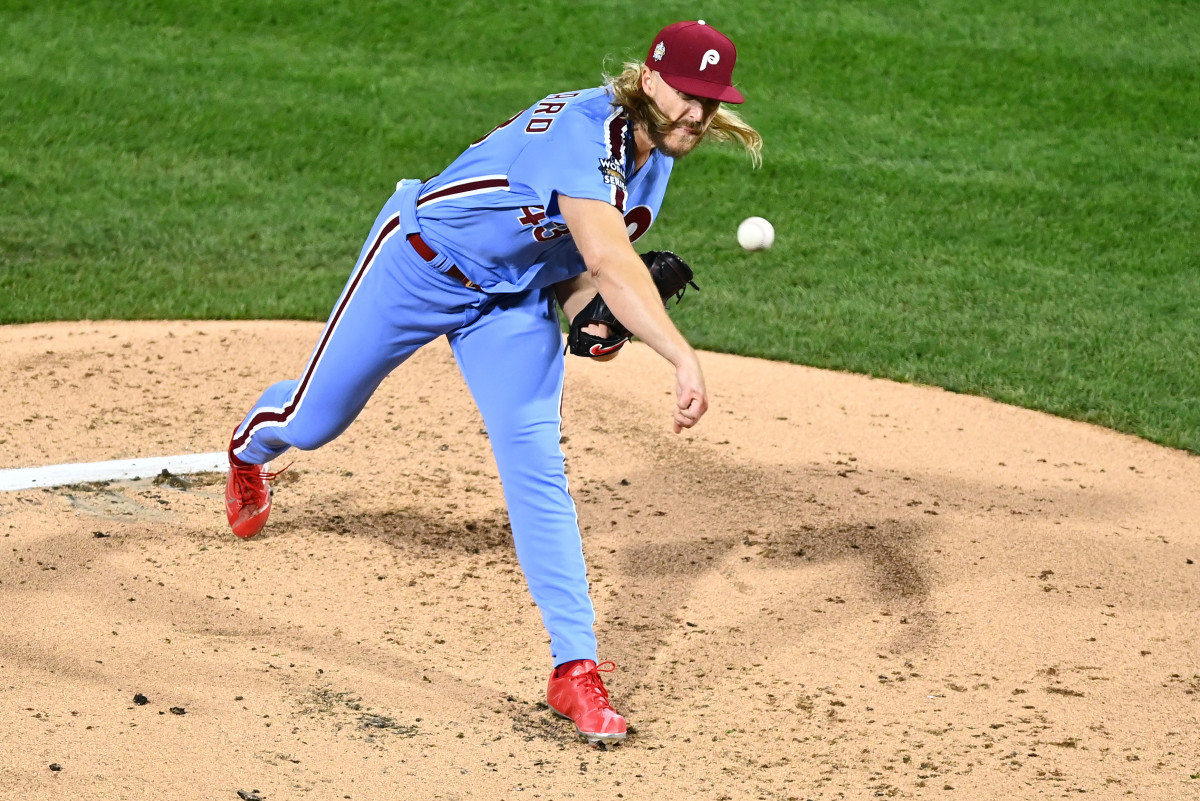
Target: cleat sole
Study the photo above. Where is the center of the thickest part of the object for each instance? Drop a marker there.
(594, 739)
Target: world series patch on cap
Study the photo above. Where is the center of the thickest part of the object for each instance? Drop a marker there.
(696, 59)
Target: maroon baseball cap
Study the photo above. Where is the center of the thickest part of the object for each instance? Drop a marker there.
(696, 59)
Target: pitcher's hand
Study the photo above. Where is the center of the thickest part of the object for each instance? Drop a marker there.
(691, 398)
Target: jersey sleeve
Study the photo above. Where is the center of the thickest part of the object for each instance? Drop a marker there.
(579, 155)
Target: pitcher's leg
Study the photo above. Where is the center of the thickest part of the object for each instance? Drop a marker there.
(356, 350)
(345, 368)
(512, 360)
(391, 305)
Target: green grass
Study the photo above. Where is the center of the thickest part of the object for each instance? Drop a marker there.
(998, 198)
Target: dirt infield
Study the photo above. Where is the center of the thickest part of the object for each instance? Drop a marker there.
(834, 588)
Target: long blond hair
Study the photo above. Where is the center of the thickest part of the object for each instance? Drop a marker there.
(726, 125)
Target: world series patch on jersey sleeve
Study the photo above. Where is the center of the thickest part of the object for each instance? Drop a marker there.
(494, 210)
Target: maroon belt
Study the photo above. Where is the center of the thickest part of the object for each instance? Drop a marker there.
(429, 254)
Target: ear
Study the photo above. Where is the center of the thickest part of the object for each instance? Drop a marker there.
(648, 76)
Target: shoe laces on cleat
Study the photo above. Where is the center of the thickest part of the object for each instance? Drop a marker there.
(589, 683)
(249, 479)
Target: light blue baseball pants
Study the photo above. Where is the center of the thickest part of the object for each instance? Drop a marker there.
(510, 350)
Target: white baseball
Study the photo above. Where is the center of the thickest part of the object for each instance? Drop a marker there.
(755, 233)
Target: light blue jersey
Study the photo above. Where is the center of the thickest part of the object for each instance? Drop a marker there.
(494, 211)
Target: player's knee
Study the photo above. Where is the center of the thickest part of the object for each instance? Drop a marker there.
(532, 454)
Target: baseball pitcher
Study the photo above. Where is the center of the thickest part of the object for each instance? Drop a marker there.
(544, 208)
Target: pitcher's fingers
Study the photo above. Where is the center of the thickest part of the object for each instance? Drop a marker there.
(688, 417)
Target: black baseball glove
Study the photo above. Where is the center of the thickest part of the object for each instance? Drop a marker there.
(671, 275)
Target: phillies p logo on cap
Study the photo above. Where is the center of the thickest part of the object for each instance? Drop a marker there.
(696, 59)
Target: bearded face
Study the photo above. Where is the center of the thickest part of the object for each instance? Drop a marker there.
(677, 139)
(687, 117)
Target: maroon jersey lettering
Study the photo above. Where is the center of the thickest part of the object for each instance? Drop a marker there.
(544, 111)
(550, 232)
(542, 231)
(504, 124)
(637, 222)
(532, 215)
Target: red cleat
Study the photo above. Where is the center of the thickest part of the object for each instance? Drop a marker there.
(248, 497)
(579, 696)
